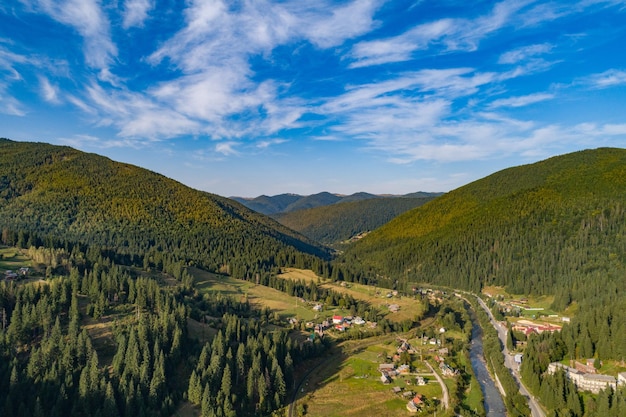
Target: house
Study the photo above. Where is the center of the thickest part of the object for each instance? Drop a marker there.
(420, 380)
(385, 379)
(340, 327)
(447, 370)
(396, 390)
(23, 271)
(518, 358)
(443, 351)
(9, 275)
(404, 369)
(358, 320)
(414, 405)
(386, 367)
(337, 319)
(394, 308)
(317, 307)
(408, 394)
(621, 378)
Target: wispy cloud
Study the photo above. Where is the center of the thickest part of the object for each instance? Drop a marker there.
(226, 148)
(521, 101)
(49, 92)
(88, 19)
(10, 105)
(325, 26)
(606, 79)
(449, 34)
(264, 144)
(522, 54)
(9, 75)
(136, 12)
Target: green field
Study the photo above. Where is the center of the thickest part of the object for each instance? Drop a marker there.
(348, 384)
(12, 259)
(258, 295)
(410, 308)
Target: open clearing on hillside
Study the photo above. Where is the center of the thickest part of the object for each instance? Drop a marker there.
(259, 296)
(410, 308)
(287, 306)
(12, 259)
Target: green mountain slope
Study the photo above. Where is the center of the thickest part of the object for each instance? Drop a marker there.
(89, 199)
(339, 222)
(546, 228)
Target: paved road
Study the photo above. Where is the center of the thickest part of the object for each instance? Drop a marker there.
(509, 362)
(444, 388)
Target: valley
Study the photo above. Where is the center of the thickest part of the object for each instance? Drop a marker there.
(134, 295)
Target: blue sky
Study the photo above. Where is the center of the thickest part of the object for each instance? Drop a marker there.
(265, 97)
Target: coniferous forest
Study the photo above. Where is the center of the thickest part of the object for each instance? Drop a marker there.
(104, 231)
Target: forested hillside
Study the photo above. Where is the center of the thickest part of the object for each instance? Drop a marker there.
(142, 217)
(337, 223)
(548, 228)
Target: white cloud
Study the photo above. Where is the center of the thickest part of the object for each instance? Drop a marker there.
(10, 105)
(49, 92)
(606, 79)
(226, 148)
(264, 144)
(521, 101)
(449, 34)
(326, 26)
(88, 19)
(136, 12)
(522, 54)
(399, 48)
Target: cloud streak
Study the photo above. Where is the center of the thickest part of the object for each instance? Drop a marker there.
(88, 19)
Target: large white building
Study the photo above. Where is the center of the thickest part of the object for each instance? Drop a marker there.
(585, 381)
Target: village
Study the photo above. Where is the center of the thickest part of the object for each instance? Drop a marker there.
(412, 368)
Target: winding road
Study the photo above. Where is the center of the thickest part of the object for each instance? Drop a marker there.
(509, 362)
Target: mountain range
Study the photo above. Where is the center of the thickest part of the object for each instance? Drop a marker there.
(286, 203)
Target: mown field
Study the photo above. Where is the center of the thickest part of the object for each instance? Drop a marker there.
(12, 259)
(259, 296)
(410, 308)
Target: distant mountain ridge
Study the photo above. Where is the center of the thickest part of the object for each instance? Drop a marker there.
(286, 203)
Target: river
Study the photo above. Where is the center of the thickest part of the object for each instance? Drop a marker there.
(494, 405)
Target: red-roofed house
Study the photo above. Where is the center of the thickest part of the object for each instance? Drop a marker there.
(337, 319)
